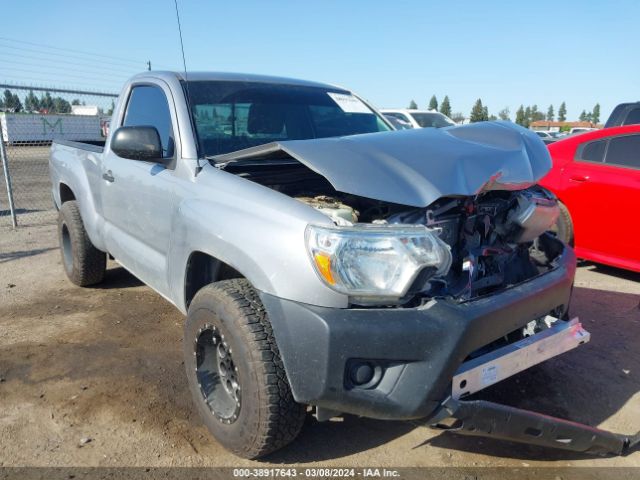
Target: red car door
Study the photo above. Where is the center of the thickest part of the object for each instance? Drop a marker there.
(602, 192)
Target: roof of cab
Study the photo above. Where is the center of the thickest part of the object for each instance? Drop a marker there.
(234, 77)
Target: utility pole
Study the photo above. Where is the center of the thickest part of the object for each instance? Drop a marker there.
(149, 65)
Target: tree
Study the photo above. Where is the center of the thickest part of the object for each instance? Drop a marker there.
(1, 104)
(433, 103)
(31, 102)
(520, 118)
(113, 105)
(46, 102)
(445, 106)
(413, 105)
(550, 113)
(536, 115)
(595, 115)
(485, 113)
(527, 117)
(60, 105)
(75, 101)
(12, 102)
(477, 112)
(504, 114)
(562, 112)
(457, 117)
(583, 116)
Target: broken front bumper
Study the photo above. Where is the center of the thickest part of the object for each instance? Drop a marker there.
(398, 363)
(412, 353)
(502, 363)
(487, 419)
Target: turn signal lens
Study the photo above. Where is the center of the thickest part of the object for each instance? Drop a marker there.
(323, 262)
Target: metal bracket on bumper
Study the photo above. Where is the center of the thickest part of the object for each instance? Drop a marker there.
(487, 419)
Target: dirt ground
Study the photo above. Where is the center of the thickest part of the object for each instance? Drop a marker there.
(102, 367)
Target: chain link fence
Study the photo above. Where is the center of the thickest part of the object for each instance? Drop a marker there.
(30, 119)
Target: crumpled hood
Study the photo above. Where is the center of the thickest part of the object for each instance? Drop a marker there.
(416, 167)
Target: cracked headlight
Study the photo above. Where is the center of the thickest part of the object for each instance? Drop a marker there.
(380, 261)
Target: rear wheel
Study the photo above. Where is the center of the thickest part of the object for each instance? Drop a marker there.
(235, 373)
(83, 263)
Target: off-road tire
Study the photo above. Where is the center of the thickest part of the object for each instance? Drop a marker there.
(83, 263)
(564, 225)
(268, 417)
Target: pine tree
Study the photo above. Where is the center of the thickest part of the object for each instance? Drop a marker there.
(31, 102)
(413, 105)
(17, 104)
(12, 102)
(8, 100)
(583, 116)
(527, 117)
(477, 112)
(46, 102)
(562, 112)
(485, 113)
(550, 113)
(433, 103)
(536, 115)
(445, 106)
(595, 115)
(520, 119)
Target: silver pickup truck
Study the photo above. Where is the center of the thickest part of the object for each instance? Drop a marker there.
(323, 259)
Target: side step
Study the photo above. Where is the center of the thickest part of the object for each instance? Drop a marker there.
(487, 419)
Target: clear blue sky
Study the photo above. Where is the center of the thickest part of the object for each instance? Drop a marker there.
(505, 52)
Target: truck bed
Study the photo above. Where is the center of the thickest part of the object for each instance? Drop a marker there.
(96, 147)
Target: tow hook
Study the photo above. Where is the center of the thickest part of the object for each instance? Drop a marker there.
(487, 419)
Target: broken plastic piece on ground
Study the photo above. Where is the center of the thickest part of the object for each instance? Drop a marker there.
(487, 419)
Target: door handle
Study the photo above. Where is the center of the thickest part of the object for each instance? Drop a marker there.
(579, 178)
(108, 176)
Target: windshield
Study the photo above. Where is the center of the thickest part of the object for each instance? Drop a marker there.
(230, 116)
(436, 120)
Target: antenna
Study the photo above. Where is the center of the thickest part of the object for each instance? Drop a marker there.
(186, 82)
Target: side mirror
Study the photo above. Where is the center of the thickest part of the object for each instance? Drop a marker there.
(138, 143)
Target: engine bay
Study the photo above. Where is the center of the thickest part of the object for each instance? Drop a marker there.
(497, 238)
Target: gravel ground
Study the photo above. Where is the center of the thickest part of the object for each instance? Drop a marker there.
(93, 377)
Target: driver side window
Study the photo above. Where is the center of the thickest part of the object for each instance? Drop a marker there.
(148, 106)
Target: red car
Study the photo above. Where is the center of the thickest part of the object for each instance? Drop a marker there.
(596, 176)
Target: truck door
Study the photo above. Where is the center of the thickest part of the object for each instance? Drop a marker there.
(137, 196)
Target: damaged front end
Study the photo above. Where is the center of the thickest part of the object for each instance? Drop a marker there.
(471, 188)
(432, 226)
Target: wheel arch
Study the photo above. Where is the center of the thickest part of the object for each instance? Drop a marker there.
(66, 193)
(202, 269)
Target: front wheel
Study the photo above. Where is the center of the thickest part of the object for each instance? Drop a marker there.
(235, 372)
